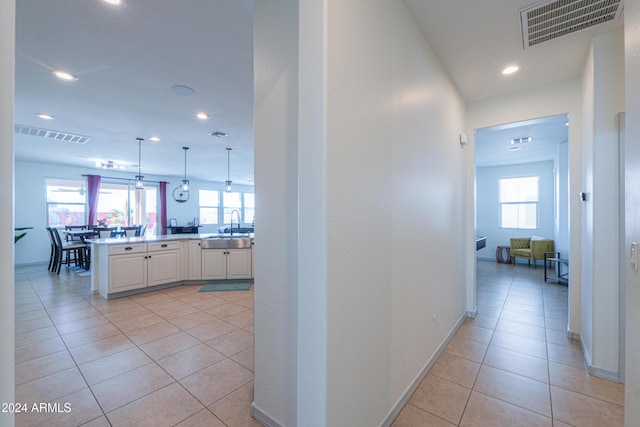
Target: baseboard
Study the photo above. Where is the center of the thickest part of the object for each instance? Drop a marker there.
(263, 418)
(395, 411)
(473, 313)
(594, 370)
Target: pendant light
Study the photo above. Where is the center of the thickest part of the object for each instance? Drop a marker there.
(139, 177)
(228, 182)
(185, 181)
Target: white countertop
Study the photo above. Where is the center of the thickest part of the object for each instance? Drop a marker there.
(147, 239)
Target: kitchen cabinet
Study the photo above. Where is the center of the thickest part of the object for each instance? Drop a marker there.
(163, 263)
(218, 264)
(195, 261)
(127, 267)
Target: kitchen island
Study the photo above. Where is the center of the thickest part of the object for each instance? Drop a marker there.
(127, 266)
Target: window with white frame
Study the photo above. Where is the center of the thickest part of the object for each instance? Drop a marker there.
(249, 208)
(519, 202)
(209, 206)
(66, 202)
(231, 202)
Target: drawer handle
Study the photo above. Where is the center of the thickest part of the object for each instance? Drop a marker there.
(164, 246)
(128, 248)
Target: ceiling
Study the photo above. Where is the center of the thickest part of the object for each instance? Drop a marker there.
(128, 58)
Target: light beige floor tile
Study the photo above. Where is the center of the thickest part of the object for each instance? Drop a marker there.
(98, 422)
(82, 408)
(584, 411)
(224, 310)
(484, 310)
(111, 306)
(517, 363)
(75, 315)
(486, 411)
(579, 380)
(80, 325)
(30, 325)
(557, 324)
(30, 315)
(127, 325)
(566, 355)
(521, 329)
(515, 389)
(442, 398)
(212, 383)
(529, 319)
(475, 333)
(130, 312)
(125, 388)
(211, 330)
(152, 332)
(247, 302)
(490, 302)
(482, 321)
(469, 349)
(51, 387)
(416, 417)
(113, 365)
(150, 298)
(186, 362)
(235, 408)
(30, 337)
(176, 310)
(90, 335)
(233, 342)
(165, 407)
(245, 358)
(561, 338)
(535, 310)
(39, 349)
(202, 418)
(208, 301)
(192, 320)
(163, 347)
(242, 319)
(97, 349)
(42, 366)
(456, 369)
(520, 344)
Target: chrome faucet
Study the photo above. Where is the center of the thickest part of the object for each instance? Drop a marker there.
(231, 225)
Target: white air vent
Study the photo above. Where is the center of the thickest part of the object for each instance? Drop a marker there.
(51, 134)
(552, 19)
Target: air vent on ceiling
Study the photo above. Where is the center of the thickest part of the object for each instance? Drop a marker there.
(552, 19)
(51, 134)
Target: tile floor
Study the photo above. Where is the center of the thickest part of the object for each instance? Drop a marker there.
(513, 365)
(181, 358)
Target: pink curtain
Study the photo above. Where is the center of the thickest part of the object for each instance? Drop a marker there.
(93, 192)
(163, 206)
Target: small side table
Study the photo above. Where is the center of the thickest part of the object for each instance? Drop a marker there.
(500, 250)
(558, 264)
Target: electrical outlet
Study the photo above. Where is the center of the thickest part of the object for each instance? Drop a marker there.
(434, 319)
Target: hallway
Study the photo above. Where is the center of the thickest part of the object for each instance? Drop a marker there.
(513, 365)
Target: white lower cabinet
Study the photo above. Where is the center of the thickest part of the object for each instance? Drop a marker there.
(127, 272)
(220, 264)
(194, 271)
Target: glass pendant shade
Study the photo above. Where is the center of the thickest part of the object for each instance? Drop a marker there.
(185, 181)
(228, 181)
(139, 178)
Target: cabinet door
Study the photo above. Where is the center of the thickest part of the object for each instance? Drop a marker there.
(238, 263)
(195, 261)
(127, 272)
(163, 267)
(214, 264)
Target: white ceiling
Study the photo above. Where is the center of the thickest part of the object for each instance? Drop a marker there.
(127, 59)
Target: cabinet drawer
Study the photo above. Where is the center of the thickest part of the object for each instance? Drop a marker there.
(172, 245)
(134, 248)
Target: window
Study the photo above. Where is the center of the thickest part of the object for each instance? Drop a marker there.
(209, 203)
(123, 205)
(249, 208)
(519, 202)
(66, 202)
(231, 202)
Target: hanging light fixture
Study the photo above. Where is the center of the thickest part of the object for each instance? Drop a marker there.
(139, 177)
(185, 181)
(228, 182)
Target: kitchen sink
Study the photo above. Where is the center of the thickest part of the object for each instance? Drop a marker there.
(226, 243)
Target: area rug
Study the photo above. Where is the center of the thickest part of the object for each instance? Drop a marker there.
(243, 285)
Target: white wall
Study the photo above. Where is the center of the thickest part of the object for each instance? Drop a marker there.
(7, 342)
(632, 169)
(561, 218)
(31, 197)
(559, 98)
(488, 204)
(276, 347)
(603, 99)
(380, 178)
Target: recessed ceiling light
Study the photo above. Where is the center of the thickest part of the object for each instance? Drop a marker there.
(182, 90)
(64, 75)
(120, 3)
(510, 69)
(218, 134)
(202, 116)
(45, 116)
(154, 139)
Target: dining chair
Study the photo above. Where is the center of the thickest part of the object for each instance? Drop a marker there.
(52, 256)
(131, 231)
(104, 233)
(67, 252)
(69, 237)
